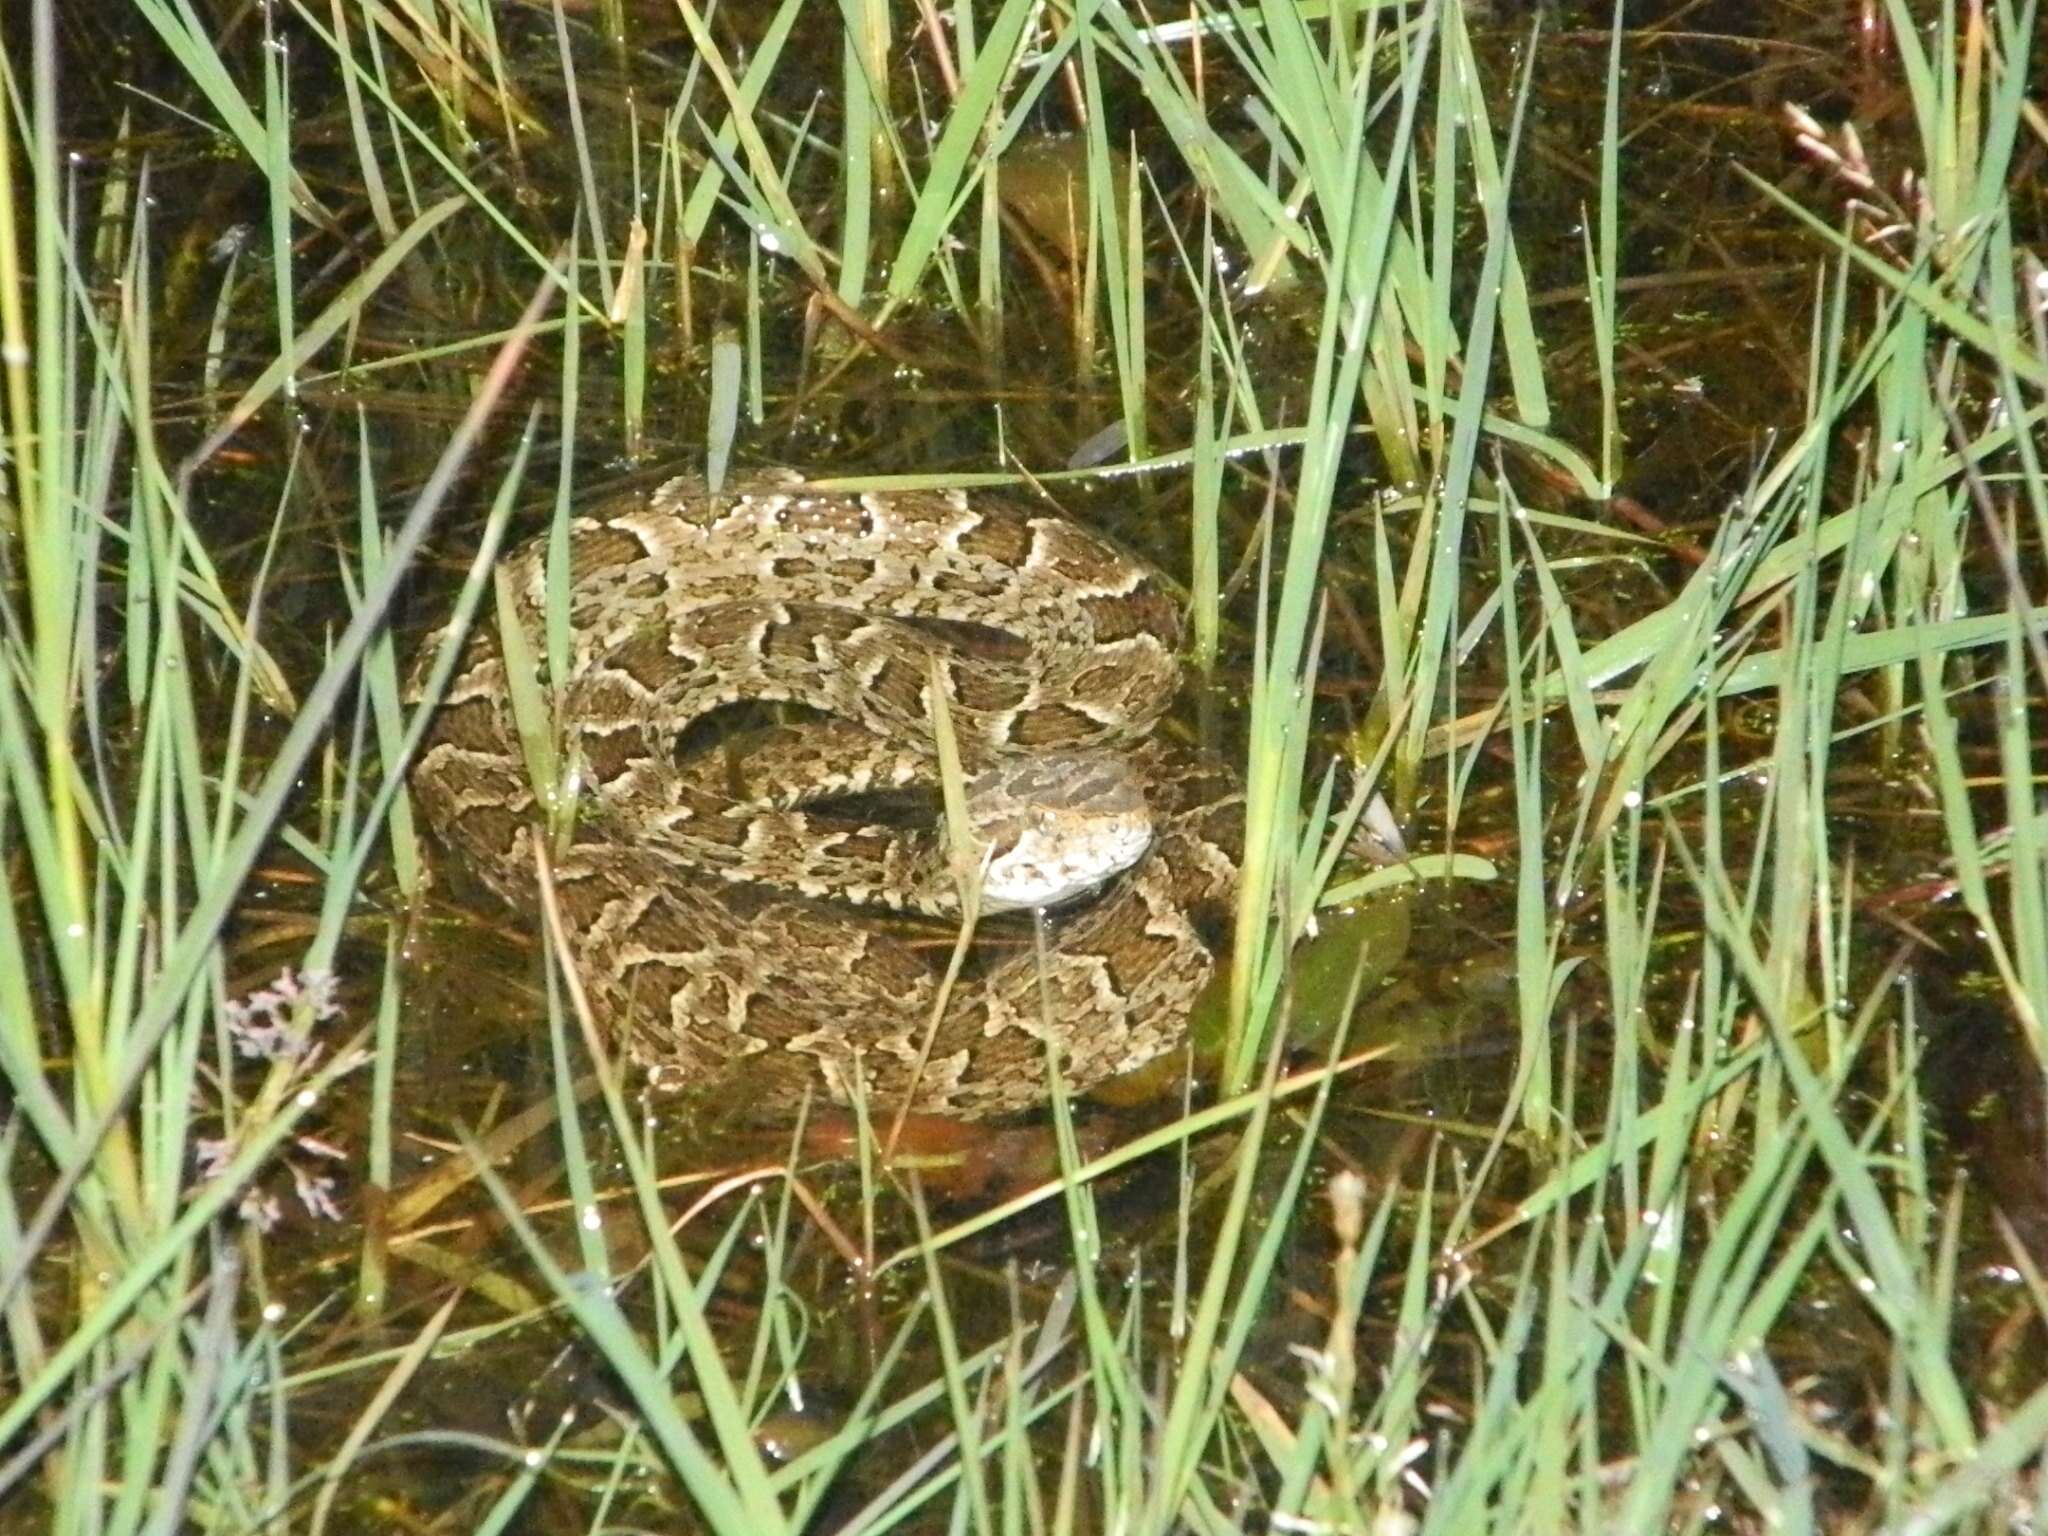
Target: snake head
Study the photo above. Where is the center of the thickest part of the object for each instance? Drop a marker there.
(1056, 826)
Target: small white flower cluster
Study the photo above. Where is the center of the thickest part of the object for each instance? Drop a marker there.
(262, 1028)
(261, 1022)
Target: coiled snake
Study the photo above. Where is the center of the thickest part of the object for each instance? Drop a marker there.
(712, 898)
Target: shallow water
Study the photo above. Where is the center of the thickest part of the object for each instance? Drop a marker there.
(1713, 360)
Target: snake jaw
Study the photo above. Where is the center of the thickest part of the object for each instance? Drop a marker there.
(1050, 866)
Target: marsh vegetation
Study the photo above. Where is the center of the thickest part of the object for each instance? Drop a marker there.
(1600, 450)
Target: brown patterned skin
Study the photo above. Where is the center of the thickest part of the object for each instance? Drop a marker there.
(714, 905)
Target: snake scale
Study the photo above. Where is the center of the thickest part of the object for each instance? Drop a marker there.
(714, 895)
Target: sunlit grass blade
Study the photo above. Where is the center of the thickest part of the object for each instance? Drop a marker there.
(1285, 675)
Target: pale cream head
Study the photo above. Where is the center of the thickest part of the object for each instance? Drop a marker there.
(1060, 826)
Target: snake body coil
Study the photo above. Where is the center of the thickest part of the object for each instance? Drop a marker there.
(713, 900)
